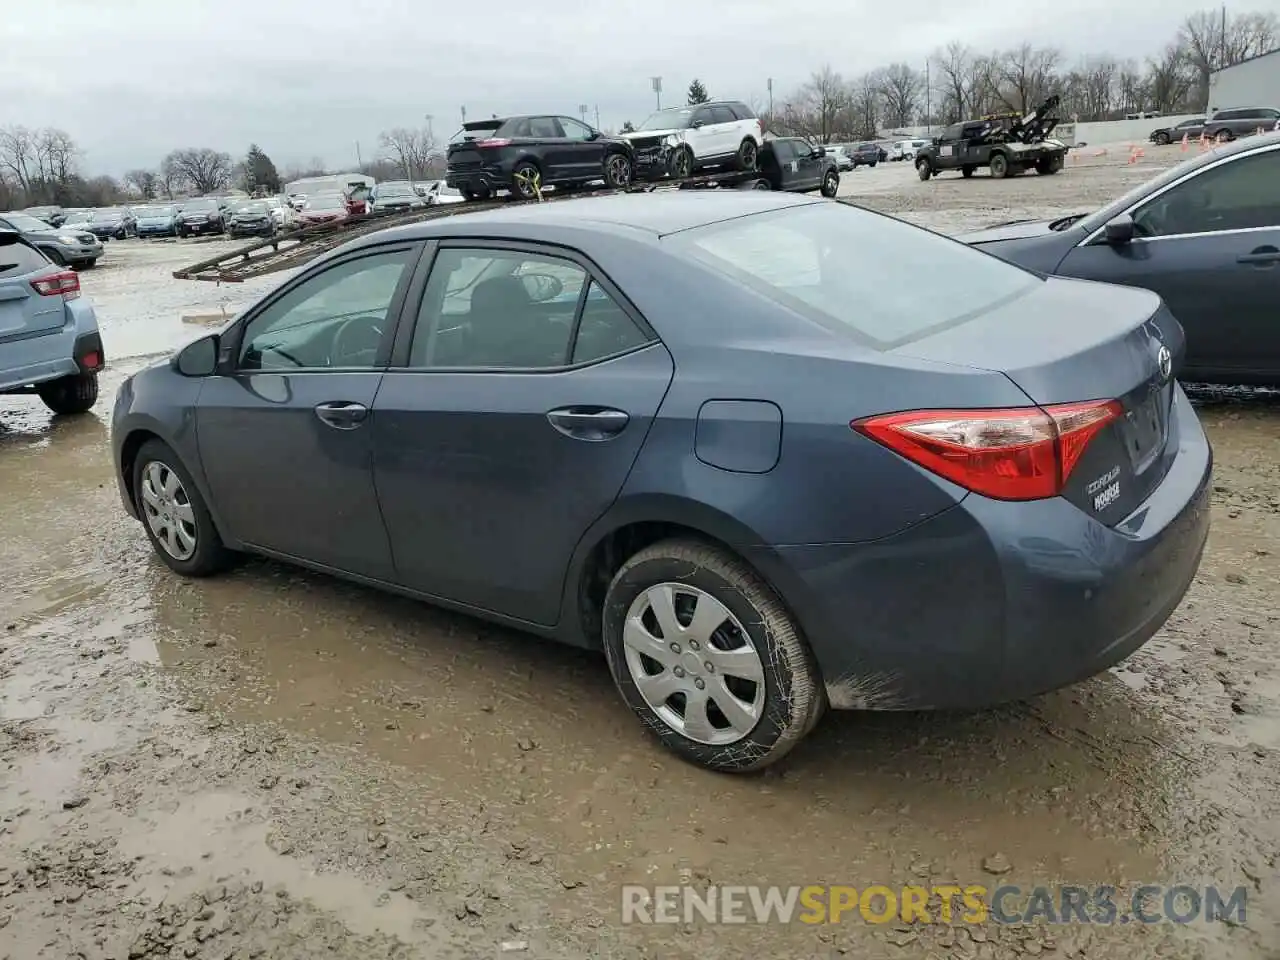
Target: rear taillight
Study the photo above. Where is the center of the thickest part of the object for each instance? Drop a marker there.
(65, 284)
(1022, 453)
(493, 142)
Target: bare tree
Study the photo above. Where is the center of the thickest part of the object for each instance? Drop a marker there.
(866, 104)
(900, 90)
(1171, 79)
(410, 150)
(964, 82)
(199, 168)
(1212, 39)
(146, 182)
(18, 155)
(815, 110)
(1090, 90)
(1025, 75)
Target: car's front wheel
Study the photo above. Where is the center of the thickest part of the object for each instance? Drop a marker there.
(617, 171)
(74, 393)
(923, 169)
(748, 155)
(174, 514)
(706, 655)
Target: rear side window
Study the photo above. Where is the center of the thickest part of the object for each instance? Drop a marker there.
(19, 258)
(722, 114)
(742, 111)
(784, 150)
(1229, 115)
(855, 271)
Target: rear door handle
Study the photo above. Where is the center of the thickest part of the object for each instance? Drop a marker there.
(342, 414)
(589, 423)
(1261, 255)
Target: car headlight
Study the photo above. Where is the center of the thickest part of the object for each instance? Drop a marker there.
(67, 238)
(672, 140)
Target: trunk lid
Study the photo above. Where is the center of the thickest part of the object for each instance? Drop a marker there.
(1069, 341)
(23, 311)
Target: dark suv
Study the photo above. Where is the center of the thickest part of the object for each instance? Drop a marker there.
(525, 154)
(868, 155)
(1226, 125)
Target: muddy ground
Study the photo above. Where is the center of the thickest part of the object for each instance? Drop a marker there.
(275, 764)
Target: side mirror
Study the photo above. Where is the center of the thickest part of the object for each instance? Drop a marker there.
(695, 124)
(822, 151)
(1120, 230)
(198, 358)
(594, 135)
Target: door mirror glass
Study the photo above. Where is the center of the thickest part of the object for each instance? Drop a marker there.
(820, 152)
(198, 358)
(1119, 230)
(542, 287)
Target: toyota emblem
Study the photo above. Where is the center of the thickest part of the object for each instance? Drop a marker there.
(1165, 359)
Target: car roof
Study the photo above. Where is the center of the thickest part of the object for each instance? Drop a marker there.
(658, 213)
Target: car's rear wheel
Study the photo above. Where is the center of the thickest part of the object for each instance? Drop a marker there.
(748, 155)
(1224, 136)
(617, 171)
(526, 181)
(473, 196)
(175, 516)
(923, 169)
(999, 165)
(74, 393)
(830, 184)
(706, 655)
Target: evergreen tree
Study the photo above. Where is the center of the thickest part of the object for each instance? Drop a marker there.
(260, 172)
(697, 92)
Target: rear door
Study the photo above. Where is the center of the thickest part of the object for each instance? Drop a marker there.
(509, 422)
(1210, 246)
(728, 132)
(24, 312)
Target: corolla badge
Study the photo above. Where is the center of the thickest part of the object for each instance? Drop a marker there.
(1165, 359)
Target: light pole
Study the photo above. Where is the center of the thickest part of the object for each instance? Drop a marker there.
(657, 89)
(928, 101)
(464, 116)
(430, 136)
(769, 84)
(582, 111)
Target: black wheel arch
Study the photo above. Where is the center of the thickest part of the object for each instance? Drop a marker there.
(126, 456)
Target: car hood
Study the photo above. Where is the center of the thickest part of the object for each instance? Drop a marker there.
(649, 134)
(1011, 230)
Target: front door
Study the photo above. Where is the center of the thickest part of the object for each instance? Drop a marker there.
(285, 435)
(1210, 246)
(585, 153)
(506, 435)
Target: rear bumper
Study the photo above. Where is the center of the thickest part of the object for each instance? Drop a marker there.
(990, 602)
(62, 352)
(486, 179)
(252, 230)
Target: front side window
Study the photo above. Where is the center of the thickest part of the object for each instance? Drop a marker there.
(854, 271)
(336, 318)
(544, 128)
(1240, 194)
(575, 130)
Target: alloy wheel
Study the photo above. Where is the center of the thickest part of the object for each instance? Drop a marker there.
(168, 510)
(694, 664)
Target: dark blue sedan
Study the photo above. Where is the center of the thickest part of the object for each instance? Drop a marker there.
(728, 437)
(1204, 235)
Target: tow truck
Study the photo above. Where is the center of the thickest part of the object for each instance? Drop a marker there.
(814, 170)
(1005, 143)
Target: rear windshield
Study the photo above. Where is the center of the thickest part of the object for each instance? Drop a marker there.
(856, 271)
(19, 258)
(478, 132)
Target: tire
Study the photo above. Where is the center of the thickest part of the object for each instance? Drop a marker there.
(617, 171)
(208, 555)
(1224, 136)
(682, 163)
(182, 234)
(999, 165)
(748, 155)
(923, 170)
(873, 163)
(69, 395)
(773, 710)
(830, 184)
(56, 258)
(1048, 167)
(526, 181)
(966, 171)
(1162, 139)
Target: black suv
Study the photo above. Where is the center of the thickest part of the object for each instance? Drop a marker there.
(525, 154)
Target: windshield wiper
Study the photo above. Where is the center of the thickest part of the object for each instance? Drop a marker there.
(1066, 222)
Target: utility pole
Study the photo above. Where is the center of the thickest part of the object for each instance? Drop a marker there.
(430, 134)
(582, 111)
(928, 101)
(464, 116)
(657, 89)
(597, 116)
(769, 85)
(359, 162)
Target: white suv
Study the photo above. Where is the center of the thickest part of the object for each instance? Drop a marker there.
(682, 140)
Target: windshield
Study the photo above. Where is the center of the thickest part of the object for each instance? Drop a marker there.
(676, 118)
(198, 205)
(106, 216)
(150, 212)
(330, 202)
(82, 217)
(257, 206)
(1099, 218)
(26, 224)
(855, 271)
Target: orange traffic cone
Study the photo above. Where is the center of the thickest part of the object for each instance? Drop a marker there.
(1184, 143)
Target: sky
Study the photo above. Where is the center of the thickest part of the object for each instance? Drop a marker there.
(132, 79)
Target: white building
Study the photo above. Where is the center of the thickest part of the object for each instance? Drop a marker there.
(1250, 83)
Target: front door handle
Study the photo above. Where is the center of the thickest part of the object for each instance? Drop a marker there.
(589, 423)
(342, 414)
(1261, 255)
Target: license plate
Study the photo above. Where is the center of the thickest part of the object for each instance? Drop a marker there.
(1146, 427)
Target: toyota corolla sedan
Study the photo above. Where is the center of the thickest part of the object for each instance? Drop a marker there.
(653, 425)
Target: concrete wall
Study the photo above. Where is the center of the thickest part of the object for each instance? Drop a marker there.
(1117, 131)
(1254, 83)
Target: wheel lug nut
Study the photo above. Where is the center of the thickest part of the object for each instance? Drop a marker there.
(679, 671)
(700, 684)
(693, 644)
(675, 648)
(711, 667)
